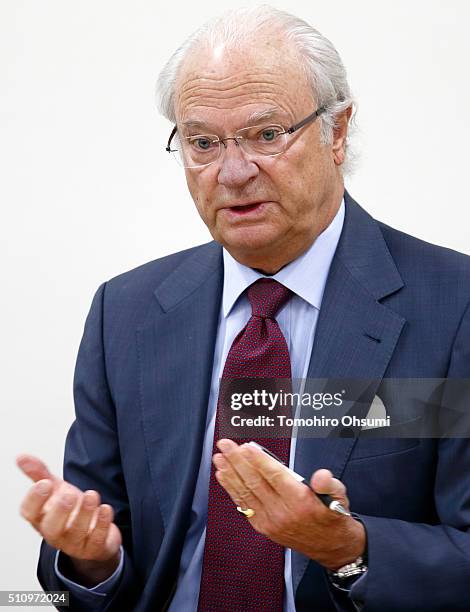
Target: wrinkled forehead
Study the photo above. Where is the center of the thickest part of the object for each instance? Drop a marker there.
(228, 86)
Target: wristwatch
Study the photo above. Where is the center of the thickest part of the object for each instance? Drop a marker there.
(345, 576)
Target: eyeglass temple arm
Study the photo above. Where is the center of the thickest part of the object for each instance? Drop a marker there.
(173, 132)
(311, 117)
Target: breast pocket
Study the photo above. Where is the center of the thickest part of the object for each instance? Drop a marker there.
(392, 477)
(375, 447)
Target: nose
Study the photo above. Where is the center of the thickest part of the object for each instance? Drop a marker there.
(235, 169)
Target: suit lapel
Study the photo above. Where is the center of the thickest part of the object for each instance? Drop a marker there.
(355, 336)
(176, 348)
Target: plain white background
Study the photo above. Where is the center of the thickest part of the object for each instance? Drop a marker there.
(87, 190)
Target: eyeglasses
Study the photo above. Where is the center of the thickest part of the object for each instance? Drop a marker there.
(257, 140)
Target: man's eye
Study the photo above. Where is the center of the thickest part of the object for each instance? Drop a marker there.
(203, 144)
(269, 134)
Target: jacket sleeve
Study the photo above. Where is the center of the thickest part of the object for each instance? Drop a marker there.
(417, 566)
(92, 461)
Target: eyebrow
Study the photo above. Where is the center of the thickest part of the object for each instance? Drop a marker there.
(194, 123)
(252, 119)
(268, 113)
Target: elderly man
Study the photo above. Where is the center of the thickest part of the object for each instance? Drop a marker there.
(157, 509)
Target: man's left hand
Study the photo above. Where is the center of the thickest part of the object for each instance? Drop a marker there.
(287, 511)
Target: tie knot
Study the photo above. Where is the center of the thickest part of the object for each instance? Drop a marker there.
(266, 297)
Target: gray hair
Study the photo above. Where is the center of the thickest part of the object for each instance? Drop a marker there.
(321, 63)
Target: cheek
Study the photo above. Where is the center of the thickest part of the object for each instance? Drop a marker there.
(199, 190)
(301, 181)
(307, 172)
(292, 178)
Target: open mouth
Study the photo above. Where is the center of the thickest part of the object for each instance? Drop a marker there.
(246, 208)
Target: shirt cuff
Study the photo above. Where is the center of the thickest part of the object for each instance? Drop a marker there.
(102, 589)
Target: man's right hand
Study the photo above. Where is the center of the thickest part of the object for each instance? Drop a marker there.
(72, 521)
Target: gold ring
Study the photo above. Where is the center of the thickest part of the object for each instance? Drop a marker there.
(248, 512)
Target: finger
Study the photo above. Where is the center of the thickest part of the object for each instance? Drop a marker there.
(34, 468)
(96, 541)
(282, 483)
(33, 503)
(238, 462)
(254, 481)
(323, 481)
(79, 526)
(53, 523)
(229, 479)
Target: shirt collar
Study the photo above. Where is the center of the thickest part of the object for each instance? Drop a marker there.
(305, 276)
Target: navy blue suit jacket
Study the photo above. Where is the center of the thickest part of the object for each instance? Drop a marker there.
(394, 306)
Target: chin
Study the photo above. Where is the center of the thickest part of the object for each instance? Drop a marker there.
(249, 241)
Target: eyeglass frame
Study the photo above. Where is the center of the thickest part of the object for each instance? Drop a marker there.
(309, 119)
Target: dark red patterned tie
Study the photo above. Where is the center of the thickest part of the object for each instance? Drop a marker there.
(243, 571)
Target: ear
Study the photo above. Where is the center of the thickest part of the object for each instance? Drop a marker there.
(340, 133)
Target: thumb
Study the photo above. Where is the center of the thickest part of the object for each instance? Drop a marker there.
(34, 468)
(323, 481)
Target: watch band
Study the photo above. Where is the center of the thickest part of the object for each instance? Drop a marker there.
(350, 569)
